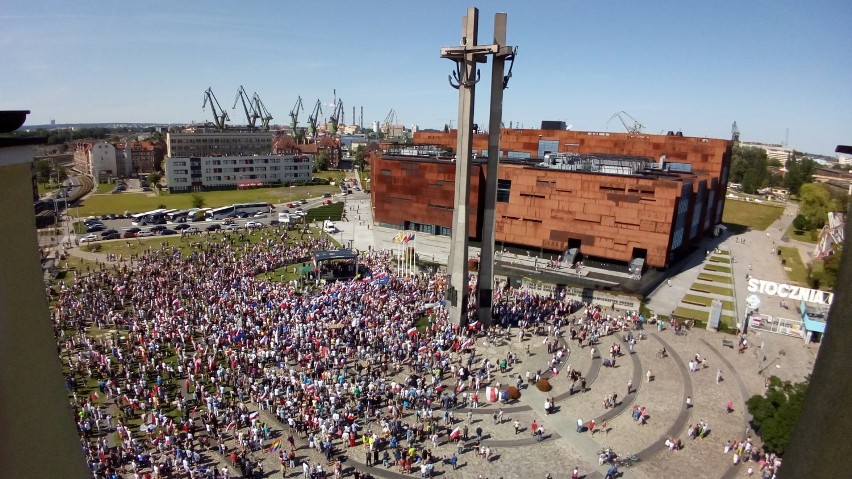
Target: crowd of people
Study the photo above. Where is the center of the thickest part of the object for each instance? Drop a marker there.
(184, 347)
(194, 353)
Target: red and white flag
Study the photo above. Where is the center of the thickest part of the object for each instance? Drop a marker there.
(455, 434)
(412, 331)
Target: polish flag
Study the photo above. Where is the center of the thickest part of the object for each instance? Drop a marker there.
(473, 325)
(455, 434)
(254, 416)
(467, 343)
(412, 331)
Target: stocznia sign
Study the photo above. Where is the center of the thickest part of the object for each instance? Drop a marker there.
(789, 291)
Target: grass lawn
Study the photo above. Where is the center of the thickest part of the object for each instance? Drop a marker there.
(717, 268)
(98, 204)
(798, 273)
(697, 300)
(709, 288)
(333, 212)
(139, 245)
(720, 259)
(691, 313)
(755, 215)
(104, 188)
(44, 189)
(805, 236)
(715, 278)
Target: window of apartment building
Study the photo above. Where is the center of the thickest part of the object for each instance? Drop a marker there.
(181, 180)
(504, 188)
(518, 155)
(179, 163)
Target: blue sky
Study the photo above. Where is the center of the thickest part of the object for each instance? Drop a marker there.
(693, 66)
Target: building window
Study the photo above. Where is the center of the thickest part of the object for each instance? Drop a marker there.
(504, 188)
(386, 172)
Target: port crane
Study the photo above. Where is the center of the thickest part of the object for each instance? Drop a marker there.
(635, 127)
(390, 120)
(220, 116)
(263, 113)
(251, 112)
(312, 119)
(294, 119)
(336, 116)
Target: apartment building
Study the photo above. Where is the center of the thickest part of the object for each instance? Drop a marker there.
(239, 171)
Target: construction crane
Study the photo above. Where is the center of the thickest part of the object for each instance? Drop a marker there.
(220, 116)
(735, 133)
(390, 120)
(312, 120)
(251, 113)
(336, 117)
(263, 113)
(294, 119)
(636, 127)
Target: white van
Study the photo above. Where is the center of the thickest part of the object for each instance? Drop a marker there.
(329, 227)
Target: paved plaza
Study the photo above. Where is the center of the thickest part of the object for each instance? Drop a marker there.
(563, 448)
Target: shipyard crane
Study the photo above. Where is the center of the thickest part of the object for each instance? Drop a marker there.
(390, 120)
(262, 112)
(251, 113)
(220, 116)
(312, 119)
(294, 119)
(336, 116)
(735, 133)
(636, 127)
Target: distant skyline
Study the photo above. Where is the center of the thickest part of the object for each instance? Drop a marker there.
(771, 66)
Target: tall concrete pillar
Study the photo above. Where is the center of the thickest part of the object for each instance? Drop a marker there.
(457, 294)
(485, 283)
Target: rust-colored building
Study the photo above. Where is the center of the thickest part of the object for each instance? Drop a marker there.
(614, 196)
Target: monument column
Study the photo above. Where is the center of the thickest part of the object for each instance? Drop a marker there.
(485, 283)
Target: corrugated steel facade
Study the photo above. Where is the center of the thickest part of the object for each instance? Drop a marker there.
(608, 216)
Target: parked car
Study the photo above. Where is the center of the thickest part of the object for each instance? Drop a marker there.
(326, 202)
(131, 234)
(89, 238)
(215, 227)
(158, 228)
(290, 205)
(112, 236)
(327, 195)
(233, 227)
(254, 224)
(274, 223)
(145, 234)
(108, 232)
(192, 229)
(181, 227)
(145, 188)
(260, 214)
(167, 232)
(133, 229)
(95, 228)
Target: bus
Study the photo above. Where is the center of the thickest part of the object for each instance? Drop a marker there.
(253, 208)
(219, 213)
(198, 214)
(238, 210)
(178, 216)
(142, 219)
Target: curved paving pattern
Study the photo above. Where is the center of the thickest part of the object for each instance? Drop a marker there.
(732, 472)
(683, 417)
(624, 404)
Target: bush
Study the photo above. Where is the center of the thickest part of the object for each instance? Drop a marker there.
(514, 393)
(543, 385)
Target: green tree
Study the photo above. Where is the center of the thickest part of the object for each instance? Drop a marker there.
(775, 413)
(815, 204)
(322, 161)
(360, 156)
(801, 223)
(154, 178)
(197, 200)
(749, 166)
(44, 170)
